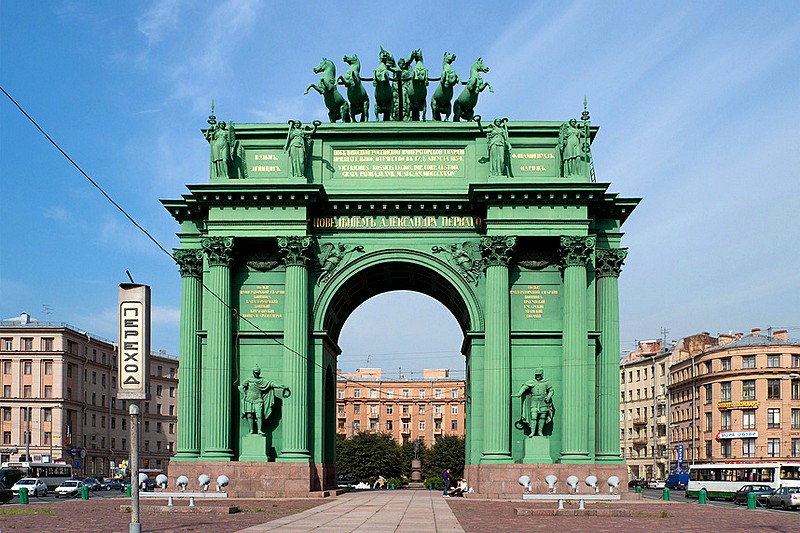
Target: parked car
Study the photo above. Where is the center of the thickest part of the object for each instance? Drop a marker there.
(126, 482)
(785, 498)
(70, 487)
(761, 492)
(35, 486)
(656, 484)
(113, 484)
(633, 483)
(6, 495)
(92, 483)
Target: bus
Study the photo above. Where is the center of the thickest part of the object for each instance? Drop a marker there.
(722, 480)
(53, 474)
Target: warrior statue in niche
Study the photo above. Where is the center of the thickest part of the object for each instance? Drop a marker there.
(536, 397)
(257, 400)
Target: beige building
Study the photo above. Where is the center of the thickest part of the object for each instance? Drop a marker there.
(407, 409)
(643, 377)
(736, 398)
(66, 379)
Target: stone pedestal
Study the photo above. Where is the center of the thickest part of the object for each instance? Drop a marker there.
(254, 448)
(537, 450)
(416, 470)
(501, 481)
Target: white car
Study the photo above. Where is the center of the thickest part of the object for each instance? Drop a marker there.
(656, 484)
(69, 488)
(35, 486)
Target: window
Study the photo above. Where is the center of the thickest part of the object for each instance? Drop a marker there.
(6, 367)
(124, 425)
(773, 389)
(725, 363)
(454, 393)
(147, 445)
(373, 393)
(160, 371)
(709, 421)
(389, 394)
(94, 377)
(796, 389)
(708, 393)
(773, 418)
(340, 394)
(6, 413)
(795, 361)
(103, 421)
(94, 398)
(725, 449)
(708, 367)
(159, 390)
(26, 344)
(773, 447)
(94, 421)
(172, 392)
(373, 425)
(48, 391)
(437, 409)
(773, 360)
(454, 410)
(422, 409)
(103, 400)
(422, 425)
(438, 393)
(26, 392)
(8, 344)
(795, 447)
(6, 437)
(373, 410)
(159, 427)
(48, 368)
(748, 419)
(454, 425)
(356, 393)
(147, 426)
(749, 389)
(405, 409)
(795, 418)
(158, 408)
(340, 424)
(709, 449)
(748, 361)
(340, 409)
(725, 420)
(172, 429)
(389, 425)
(422, 393)
(113, 423)
(124, 444)
(357, 409)
(748, 447)
(725, 391)
(405, 393)
(389, 409)
(27, 367)
(6, 391)
(171, 410)
(356, 425)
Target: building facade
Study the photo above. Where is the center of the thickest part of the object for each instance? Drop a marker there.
(735, 398)
(59, 387)
(643, 410)
(408, 409)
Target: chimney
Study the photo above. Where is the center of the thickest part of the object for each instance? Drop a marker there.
(755, 332)
(725, 338)
(781, 334)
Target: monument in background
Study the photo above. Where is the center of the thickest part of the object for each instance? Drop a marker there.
(501, 221)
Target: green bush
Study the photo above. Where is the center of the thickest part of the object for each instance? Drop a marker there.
(436, 483)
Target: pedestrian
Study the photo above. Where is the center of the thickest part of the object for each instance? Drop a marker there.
(446, 480)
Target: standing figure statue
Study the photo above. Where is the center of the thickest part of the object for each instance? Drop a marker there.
(402, 75)
(440, 103)
(382, 81)
(416, 88)
(356, 93)
(297, 145)
(499, 146)
(571, 140)
(537, 393)
(257, 400)
(464, 106)
(222, 139)
(338, 107)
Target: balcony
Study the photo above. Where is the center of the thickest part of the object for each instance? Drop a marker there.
(406, 431)
(374, 415)
(405, 416)
(640, 421)
(640, 441)
(341, 415)
(437, 415)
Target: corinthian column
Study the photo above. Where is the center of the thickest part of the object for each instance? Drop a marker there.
(496, 252)
(190, 262)
(297, 252)
(217, 374)
(609, 265)
(576, 252)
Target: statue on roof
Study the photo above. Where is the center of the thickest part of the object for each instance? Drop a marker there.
(464, 106)
(338, 108)
(499, 146)
(222, 139)
(297, 145)
(443, 96)
(356, 93)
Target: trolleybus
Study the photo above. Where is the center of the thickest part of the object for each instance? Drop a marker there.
(53, 474)
(722, 480)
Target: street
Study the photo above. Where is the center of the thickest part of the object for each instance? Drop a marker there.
(680, 496)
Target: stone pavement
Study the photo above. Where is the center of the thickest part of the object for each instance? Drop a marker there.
(400, 511)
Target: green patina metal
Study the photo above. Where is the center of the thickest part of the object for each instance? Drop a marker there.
(503, 224)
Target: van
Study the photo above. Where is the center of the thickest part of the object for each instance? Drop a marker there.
(678, 481)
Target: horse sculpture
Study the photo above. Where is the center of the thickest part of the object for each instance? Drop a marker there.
(334, 101)
(440, 103)
(464, 106)
(416, 88)
(356, 93)
(382, 81)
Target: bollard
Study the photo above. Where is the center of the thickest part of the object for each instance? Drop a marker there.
(127, 491)
(702, 497)
(751, 501)
(665, 494)
(191, 501)
(392, 486)
(23, 496)
(560, 505)
(638, 489)
(169, 502)
(581, 505)
(84, 493)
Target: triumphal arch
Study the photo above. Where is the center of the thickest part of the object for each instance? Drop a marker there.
(502, 221)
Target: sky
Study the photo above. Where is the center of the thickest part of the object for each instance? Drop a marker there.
(697, 104)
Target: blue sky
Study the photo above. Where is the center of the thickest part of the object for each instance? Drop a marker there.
(697, 103)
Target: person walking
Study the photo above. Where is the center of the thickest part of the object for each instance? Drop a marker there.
(446, 480)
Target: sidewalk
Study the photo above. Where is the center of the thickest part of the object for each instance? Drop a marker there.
(406, 511)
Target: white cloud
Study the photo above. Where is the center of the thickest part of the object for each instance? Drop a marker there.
(160, 18)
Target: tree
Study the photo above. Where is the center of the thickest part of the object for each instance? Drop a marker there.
(367, 455)
(447, 452)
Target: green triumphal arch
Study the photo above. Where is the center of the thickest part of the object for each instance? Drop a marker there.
(501, 221)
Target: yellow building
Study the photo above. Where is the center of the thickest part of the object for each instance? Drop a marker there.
(408, 409)
(66, 380)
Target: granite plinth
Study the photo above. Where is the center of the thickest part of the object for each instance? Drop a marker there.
(499, 480)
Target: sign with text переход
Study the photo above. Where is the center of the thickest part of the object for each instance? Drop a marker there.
(134, 341)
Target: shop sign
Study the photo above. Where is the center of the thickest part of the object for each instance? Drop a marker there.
(748, 404)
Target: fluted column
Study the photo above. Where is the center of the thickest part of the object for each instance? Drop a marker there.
(496, 253)
(576, 252)
(297, 252)
(190, 262)
(608, 267)
(217, 373)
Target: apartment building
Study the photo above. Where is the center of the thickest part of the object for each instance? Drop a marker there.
(408, 409)
(58, 399)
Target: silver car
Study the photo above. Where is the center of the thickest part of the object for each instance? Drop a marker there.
(35, 486)
(785, 498)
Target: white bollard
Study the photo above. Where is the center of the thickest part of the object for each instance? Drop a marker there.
(581, 507)
(191, 501)
(560, 505)
(169, 502)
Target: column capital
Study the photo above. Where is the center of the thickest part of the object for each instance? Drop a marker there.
(576, 251)
(190, 261)
(297, 250)
(610, 261)
(219, 250)
(496, 250)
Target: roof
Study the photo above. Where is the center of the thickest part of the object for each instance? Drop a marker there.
(755, 341)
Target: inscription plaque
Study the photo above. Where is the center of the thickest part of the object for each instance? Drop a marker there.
(399, 163)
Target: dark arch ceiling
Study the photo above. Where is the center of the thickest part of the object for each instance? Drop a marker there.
(392, 276)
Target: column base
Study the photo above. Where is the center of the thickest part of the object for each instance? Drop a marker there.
(294, 457)
(575, 458)
(190, 455)
(609, 459)
(217, 455)
(496, 458)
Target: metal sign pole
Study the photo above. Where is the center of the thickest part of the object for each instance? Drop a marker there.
(136, 526)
